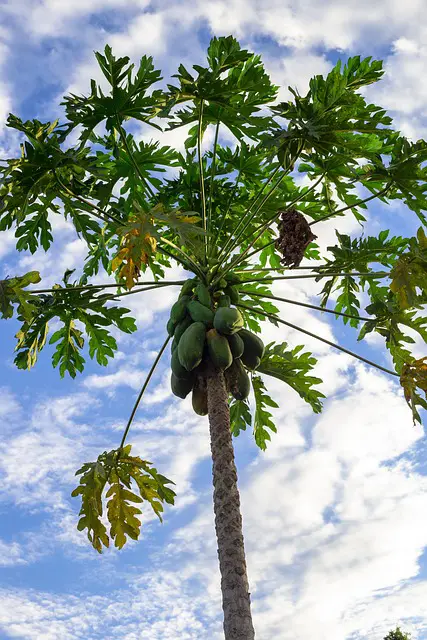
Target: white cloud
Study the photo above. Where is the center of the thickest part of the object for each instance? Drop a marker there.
(10, 554)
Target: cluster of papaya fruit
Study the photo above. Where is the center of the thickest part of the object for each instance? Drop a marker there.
(206, 328)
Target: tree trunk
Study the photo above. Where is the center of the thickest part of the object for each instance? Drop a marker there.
(228, 520)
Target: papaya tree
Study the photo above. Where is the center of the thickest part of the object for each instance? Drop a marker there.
(237, 219)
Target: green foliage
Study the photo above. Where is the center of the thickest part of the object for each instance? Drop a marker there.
(12, 293)
(358, 255)
(397, 635)
(409, 273)
(129, 95)
(69, 304)
(262, 417)
(115, 476)
(294, 368)
(240, 416)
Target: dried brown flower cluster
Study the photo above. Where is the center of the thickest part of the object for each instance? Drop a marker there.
(294, 237)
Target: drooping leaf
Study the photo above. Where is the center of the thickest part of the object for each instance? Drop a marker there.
(240, 416)
(262, 418)
(12, 293)
(414, 380)
(409, 273)
(125, 476)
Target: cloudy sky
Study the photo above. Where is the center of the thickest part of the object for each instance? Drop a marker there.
(335, 512)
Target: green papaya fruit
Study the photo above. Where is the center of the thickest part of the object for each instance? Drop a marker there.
(219, 349)
(177, 368)
(190, 346)
(254, 349)
(232, 278)
(222, 283)
(179, 309)
(237, 380)
(188, 287)
(200, 398)
(181, 327)
(224, 301)
(237, 345)
(181, 387)
(233, 294)
(200, 313)
(174, 344)
(228, 320)
(170, 327)
(203, 295)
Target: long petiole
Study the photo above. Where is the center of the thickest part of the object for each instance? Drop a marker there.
(202, 180)
(374, 274)
(213, 169)
(141, 393)
(258, 195)
(309, 306)
(195, 267)
(101, 214)
(356, 204)
(313, 335)
(97, 287)
(122, 134)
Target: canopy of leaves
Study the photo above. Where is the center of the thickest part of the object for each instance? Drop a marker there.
(139, 205)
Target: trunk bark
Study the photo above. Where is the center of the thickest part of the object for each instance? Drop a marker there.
(228, 520)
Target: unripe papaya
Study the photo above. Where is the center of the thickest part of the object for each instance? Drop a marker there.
(228, 320)
(237, 379)
(170, 327)
(203, 295)
(190, 346)
(237, 345)
(187, 288)
(232, 278)
(254, 349)
(181, 387)
(222, 283)
(232, 292)
(200, 398)
(181, 327)
(200, 313)
(177, 368)
(179, 309)
(219, 350)
(224, 301)
(174, 344)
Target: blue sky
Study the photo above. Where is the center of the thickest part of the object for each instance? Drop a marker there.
(335, 512)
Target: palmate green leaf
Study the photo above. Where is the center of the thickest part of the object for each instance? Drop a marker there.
(240, 416)
(125, 476)
(409, 272)
(128, 99)
(358, 255)
(12, 293)
(414, 380)
(262, 418)
(332, 120)
(293, 367)
(31, 185)
(233, 88)
(67, 305)
(390, 321)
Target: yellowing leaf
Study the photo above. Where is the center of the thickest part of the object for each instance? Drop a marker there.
(137, 246)
(413, 378)
(410, 272)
